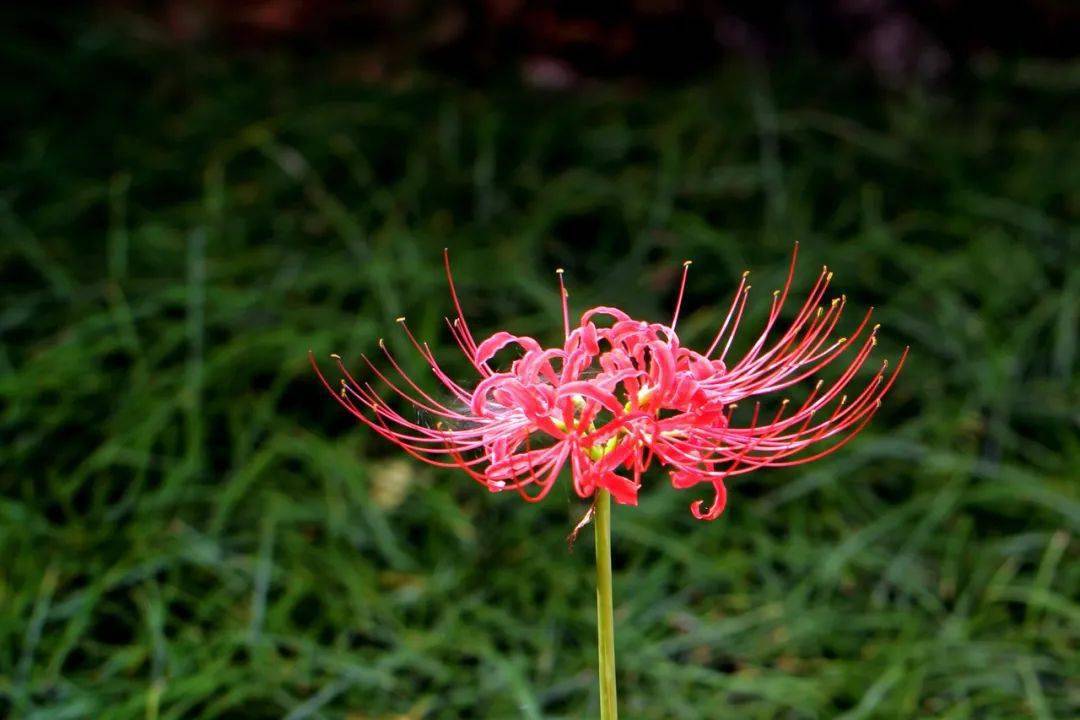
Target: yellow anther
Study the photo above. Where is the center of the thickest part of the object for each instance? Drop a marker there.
(687, 263)
(828, 277)
(884, 363)
(835, 301)
(745, 274)
(873, 341)
(559, 271)
(784, 402)
(597, 452)
(381, 343)
(775, 293)
(819, 311)
(841, 341)
(819, 384)
(400, 319)
(335, 356)
(843, 399)
(876, 327)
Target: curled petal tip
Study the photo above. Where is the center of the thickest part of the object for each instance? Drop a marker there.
(717, 508)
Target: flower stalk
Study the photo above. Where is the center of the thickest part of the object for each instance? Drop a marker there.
(622, 395)
(605, 620)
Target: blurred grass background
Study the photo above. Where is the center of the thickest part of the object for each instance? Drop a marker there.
(190, 528)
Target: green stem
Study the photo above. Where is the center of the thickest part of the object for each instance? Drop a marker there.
(605, 621)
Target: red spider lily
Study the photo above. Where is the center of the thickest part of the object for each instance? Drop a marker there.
(615, 398)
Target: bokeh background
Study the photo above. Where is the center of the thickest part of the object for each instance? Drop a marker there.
(193, 194)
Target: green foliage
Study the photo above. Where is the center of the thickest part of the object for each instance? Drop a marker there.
(191, 528)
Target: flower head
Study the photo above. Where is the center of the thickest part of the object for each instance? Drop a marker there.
(622, 394)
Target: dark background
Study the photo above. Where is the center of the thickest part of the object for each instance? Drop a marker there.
(193, 194)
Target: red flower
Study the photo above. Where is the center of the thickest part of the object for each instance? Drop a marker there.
(615, 398)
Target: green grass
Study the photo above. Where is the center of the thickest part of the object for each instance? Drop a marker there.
(191, 528)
